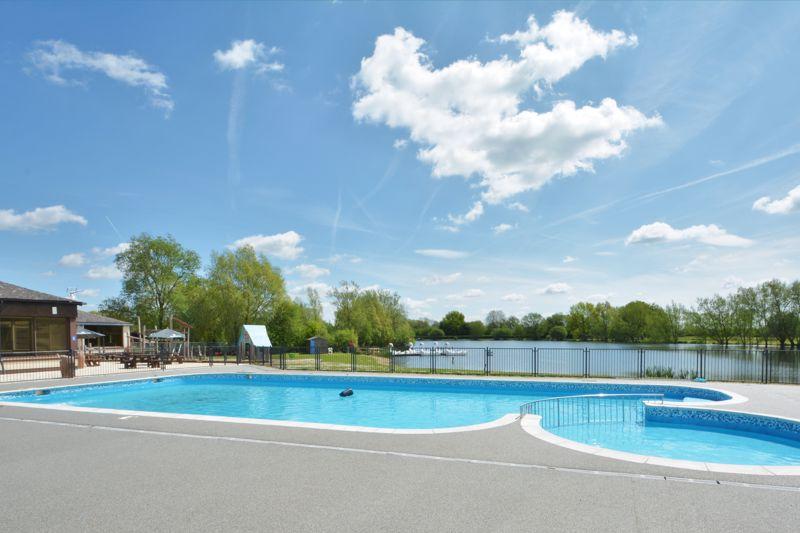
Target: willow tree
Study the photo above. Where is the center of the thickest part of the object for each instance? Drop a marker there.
(244, 288)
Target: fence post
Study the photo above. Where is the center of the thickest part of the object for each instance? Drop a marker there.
(702, 363)
(353, 363)
(641, 363)
(316, 358)
(586, 362)
(431, 361)
(536, 361)
(391, 360)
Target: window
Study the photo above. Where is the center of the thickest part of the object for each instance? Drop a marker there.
(51, 334)
(6, 336)
(15, 335)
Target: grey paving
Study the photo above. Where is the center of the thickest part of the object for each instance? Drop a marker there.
(75, 472)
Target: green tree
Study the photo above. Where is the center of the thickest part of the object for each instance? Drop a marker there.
(475, 329)
(580, 321)
(153, 271)
(557, 333)
(117, 307)
(715, 317)
(377, 316)
(531, 322)
(453, 324)
(245, 289)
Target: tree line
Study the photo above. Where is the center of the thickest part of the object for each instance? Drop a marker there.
(163, 279)
(768, 313)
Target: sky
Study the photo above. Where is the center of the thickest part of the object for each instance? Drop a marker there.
(469, 156)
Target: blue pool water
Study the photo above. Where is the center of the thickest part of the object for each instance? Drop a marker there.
(423, 404)
(688, 442)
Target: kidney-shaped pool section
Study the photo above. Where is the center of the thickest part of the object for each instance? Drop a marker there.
(404, 404)
(377, 402)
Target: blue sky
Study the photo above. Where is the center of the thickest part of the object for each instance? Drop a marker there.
(466, 156)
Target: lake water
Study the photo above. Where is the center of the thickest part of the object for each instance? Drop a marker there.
(595, 359)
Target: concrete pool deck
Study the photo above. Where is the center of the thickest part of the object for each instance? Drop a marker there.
(79, 471)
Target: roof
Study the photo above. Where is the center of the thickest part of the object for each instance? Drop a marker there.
(15, 293)
(167, 334)
(84, 333)
(92, 319)
(258, 335)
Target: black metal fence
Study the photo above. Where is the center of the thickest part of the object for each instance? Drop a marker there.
(713, 364)
(29, 366)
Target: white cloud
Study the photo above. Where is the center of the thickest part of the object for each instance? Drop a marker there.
(441, 253)
(502, 228)
(518, 207)
(322, 288)
(662, 232)
(569, 259)
(104, 272)
(732, 282)
(513, 297)
(111, 251)
(599, 297)
(783, 206)
(337, 258)
(555, 288)
(48, 274)
(400, 144)
(282, 245)
(467, 115)
(309, 271)
(246, 53)
(54, 57)
(41, 218)
(469, 293)
(73, 260)
(472, 215)
(442, 280)
(418, 306)
(88, 293)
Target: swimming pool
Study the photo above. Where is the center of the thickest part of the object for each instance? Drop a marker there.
(395, 404)
(388, 403)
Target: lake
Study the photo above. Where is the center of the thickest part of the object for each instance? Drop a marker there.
(595, 359)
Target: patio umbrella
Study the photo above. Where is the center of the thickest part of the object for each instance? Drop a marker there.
(166, 335)
(84, 333)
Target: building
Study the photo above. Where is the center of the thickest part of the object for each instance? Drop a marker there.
(253, 341)
(116, 333)
(35, 321)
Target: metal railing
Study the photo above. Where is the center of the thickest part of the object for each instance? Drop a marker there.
(590, 409)
(709, 363)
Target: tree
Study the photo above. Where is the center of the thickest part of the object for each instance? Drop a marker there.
(117, 307)
(476, 329)
(557, 333)
(630, 324)
(604, 314)
(495, 319)
(153, 270)
(580, 321)
(244, 288)
(531, 323)
(377, 316)
(453, 324)
(715, 316)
